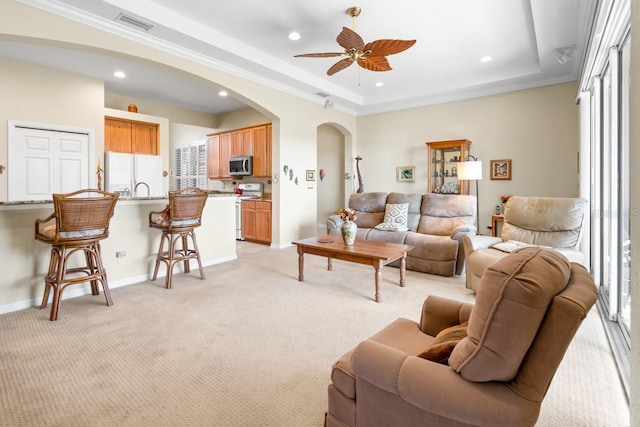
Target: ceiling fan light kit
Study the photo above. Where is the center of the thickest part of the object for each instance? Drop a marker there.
(370, 56)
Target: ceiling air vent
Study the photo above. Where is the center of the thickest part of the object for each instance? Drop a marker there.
(134, 22)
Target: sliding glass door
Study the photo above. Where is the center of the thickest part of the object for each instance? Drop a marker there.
(610, 233)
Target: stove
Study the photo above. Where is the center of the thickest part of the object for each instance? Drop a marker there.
(249, 190)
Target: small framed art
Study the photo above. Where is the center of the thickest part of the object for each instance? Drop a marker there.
(501, 169)
(311, 175)
(405, 173)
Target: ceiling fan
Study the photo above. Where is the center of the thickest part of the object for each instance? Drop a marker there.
(370, 56)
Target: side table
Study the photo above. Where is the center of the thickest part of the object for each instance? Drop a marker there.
(495, 219)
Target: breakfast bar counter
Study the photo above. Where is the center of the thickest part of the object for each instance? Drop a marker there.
(25, 260)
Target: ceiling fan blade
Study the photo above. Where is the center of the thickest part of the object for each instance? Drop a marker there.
(340, 65)
(374, 63)
(349, 39)
(386, 47)
(319, 55)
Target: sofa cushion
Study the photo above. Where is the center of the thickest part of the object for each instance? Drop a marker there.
(415, 203)
(395, 217)
(385, 236)
(511, 302)
(441, 213)
(428, 247)
(441, 347)
(369, 207)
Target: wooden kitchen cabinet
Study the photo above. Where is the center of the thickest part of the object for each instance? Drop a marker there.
(262, 151)
(242, 142)
(256, 221)
(144, 138)
(128, 136)
(213, 156)
(250, 141)
(219, 148)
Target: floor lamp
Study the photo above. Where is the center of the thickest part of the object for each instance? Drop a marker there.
(472, 170)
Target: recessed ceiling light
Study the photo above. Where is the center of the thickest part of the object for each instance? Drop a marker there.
(223, 93)
(379, 84)
(294, 35)
(486, 58)
(120, 74)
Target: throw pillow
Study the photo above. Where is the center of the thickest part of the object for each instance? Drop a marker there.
(442, 346)
(395, 217)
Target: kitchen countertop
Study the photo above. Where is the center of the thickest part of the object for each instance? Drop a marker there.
(35, 204)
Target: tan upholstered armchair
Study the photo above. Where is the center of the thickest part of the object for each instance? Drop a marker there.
(546, 221)
(526, 313)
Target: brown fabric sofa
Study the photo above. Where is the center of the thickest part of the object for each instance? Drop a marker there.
(527, 311)
(436, 224)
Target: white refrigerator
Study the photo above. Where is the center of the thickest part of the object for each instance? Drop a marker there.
(133, 175)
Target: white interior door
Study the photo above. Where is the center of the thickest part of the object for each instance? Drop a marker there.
(42, 162)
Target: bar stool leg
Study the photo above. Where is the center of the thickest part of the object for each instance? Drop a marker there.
(92, 269)
(53, 262)
(185, 252)
(159, 256)
(103, 274)
(169, 259)
(197, 253)
(61, 266)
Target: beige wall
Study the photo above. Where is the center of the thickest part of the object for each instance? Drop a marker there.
(175, 114)
(30, 93)
(538, 129)
(331, 159)
(240, 119)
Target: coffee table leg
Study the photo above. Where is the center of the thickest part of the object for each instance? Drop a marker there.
(403, 269)
(300, 264)
(329, 264)
(378, 267)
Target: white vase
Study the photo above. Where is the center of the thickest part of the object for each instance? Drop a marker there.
(349, 230)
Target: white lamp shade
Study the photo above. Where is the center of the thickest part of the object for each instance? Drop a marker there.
(470, 170)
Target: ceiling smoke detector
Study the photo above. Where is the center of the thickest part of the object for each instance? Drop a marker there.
(563, 54)
(133, 21)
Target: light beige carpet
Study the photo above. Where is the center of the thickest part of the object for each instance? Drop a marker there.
(250, 346)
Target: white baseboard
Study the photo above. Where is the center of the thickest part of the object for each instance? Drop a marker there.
(85, 289)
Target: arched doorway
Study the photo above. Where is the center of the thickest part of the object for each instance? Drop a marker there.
(333, 160)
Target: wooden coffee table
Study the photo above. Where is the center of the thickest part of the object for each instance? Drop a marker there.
(370, 252)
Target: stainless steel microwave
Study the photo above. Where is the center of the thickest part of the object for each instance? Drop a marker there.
(241, 166)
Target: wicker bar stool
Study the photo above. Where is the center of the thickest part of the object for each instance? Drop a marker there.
(177, 223)
(79, 221)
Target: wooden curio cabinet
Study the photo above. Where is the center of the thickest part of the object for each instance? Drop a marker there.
(442, 161)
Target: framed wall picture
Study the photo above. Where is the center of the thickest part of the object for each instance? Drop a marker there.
(311, 175)
(501, 169)
(405, 173)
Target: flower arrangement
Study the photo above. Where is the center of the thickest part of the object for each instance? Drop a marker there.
(347, 214)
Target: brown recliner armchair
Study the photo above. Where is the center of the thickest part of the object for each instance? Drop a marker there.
(546, 221)
(526, 313)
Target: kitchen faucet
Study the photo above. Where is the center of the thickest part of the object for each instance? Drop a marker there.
(135, 189)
